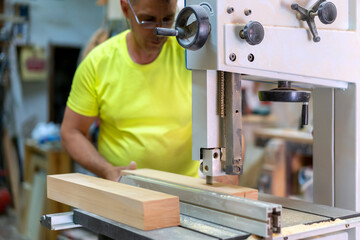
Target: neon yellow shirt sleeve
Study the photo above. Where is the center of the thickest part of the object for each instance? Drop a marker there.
(83, 97)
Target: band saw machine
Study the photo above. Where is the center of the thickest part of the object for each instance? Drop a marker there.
(314, 45)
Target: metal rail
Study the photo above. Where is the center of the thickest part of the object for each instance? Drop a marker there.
(190, 228)
(59, 221)
(248, 215)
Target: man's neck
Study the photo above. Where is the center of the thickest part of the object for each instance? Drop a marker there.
(137, 54)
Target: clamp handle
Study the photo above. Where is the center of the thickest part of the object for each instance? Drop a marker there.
(326, 11)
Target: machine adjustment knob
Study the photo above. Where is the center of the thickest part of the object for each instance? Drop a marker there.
(285, 93)
(253, 33)
(327, 12)
(192, 28)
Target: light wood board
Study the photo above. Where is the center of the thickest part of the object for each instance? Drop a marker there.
(141, 208)
(195, 182)
(36, 207)
(12, 165)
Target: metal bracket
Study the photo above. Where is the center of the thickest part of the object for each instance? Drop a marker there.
(233, 124)
(213, 161)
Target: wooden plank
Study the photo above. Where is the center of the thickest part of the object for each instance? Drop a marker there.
(195, 182)
(137, 207)
(51, 161)
(36, 207)
(12, 164)
(292, 135)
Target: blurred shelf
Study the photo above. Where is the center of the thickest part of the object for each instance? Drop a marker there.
(292, 135)
(259, 119)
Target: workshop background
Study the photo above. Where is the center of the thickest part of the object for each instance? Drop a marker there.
(42, 42)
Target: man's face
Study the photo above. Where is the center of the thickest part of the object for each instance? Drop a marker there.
(154, 11)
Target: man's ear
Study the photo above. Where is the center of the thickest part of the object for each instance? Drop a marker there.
(125, 7)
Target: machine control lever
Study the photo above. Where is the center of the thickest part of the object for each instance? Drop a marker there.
(326, 11)
(253, 33)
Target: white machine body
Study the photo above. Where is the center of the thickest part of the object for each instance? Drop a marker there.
(331, 67)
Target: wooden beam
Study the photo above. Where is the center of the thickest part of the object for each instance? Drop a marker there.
(12, 165)
(195, 182)
(137, 207)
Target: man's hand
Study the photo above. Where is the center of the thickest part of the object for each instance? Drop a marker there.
(114, 173)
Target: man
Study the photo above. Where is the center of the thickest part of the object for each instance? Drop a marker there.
(138, 86)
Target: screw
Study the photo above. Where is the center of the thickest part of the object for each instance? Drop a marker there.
(215, 156)
(232, 57)
(230, 10)
(43, 218)
(251, 57)
(247, 12)
(347, 225)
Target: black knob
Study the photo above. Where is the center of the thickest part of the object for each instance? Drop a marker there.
(284, 93)
(327, 12)
(253, 33)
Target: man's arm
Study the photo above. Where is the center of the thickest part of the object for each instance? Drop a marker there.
(74, 129)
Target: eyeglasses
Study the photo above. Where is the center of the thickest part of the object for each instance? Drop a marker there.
(150, 24)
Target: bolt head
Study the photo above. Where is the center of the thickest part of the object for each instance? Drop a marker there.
(232, 57)
(230, 10)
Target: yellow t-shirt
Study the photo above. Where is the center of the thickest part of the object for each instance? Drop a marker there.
(145, 110)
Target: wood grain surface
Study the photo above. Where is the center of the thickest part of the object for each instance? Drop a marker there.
(141, 208)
